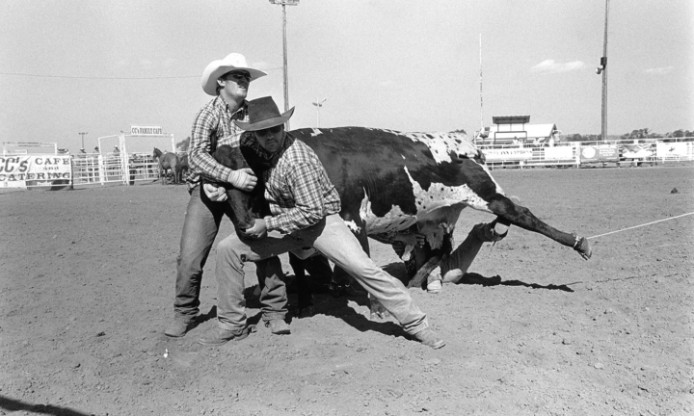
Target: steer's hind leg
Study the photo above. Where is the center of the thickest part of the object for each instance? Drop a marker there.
(427, 260)
(303, 288)
(511, 213)
(454, 266)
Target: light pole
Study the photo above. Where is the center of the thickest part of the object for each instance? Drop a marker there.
(284, 4)
(481, 133)
(603, 69)
(82, 133)
(318, 105)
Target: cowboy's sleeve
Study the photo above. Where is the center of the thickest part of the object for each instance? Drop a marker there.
(199, 155)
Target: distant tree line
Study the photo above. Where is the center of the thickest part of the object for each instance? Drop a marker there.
(680, 133)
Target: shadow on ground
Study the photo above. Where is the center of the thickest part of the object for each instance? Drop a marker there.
(13, 405)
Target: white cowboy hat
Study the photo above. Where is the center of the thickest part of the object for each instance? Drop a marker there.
(219, 67)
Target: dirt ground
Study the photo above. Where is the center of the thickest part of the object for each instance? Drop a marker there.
(86, 289)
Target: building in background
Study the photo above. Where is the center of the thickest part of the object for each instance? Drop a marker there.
(517, 131)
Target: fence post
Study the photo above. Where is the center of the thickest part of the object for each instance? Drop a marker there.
(124, 167)
(72, 173)
(102, 170)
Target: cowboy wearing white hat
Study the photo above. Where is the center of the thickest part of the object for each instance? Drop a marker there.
(215, 70)
(228, 81)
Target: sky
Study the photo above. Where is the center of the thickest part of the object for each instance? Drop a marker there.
(102, 66)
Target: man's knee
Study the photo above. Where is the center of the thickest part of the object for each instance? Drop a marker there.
(228, 249)
(190, 263)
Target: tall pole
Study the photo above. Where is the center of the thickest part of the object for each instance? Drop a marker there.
(284, 60)
(481, 102)
(284, 4)
(603, 69)
(82, 133)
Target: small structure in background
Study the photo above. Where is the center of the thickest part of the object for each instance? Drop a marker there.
(517, 131)
(318, 104)
(27, 148)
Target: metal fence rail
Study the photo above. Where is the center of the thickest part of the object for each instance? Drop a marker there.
(123, 168)
(97, 169)
(577, 154)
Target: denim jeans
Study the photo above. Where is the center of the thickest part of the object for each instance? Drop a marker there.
(200, 229)
(334, 240)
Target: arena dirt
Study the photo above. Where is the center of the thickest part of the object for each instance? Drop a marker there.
(86, 287)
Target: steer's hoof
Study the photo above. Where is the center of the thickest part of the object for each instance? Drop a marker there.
(583, 247)
(491, 232)
(378, 316)
(377, 311)
(305, 311)
(434, 287)
(338, 289)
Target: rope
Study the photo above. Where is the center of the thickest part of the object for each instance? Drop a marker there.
(641, 225)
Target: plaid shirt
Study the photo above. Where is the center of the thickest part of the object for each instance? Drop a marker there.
(212, 127)
(298, 189)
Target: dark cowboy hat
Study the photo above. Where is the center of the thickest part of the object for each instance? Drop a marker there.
(263, 114)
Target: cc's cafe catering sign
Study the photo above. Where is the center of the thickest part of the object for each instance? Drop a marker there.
(16, 171)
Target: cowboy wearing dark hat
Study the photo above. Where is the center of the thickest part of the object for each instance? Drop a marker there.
(228, 81)
(305, 209)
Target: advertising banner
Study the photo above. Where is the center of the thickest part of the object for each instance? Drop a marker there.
(146, 130)
(637, 151)
(559, 153)
(508, 155)
(599, 153)
(676, 151)
(37, 170)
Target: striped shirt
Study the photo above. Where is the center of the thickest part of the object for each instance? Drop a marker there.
(298, 189)
(213, 126)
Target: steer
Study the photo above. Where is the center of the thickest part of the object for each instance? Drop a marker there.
(390, 181)
(404, 189)
(399, 188)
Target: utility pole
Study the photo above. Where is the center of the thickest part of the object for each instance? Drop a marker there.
(284, 4)
(319, 105)
(481, 102)
(602, 69)
(82, 133)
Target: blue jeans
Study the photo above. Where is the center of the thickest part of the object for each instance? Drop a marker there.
(200, 229)
(334, 240)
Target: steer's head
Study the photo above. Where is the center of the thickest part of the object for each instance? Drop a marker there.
(245, 206)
